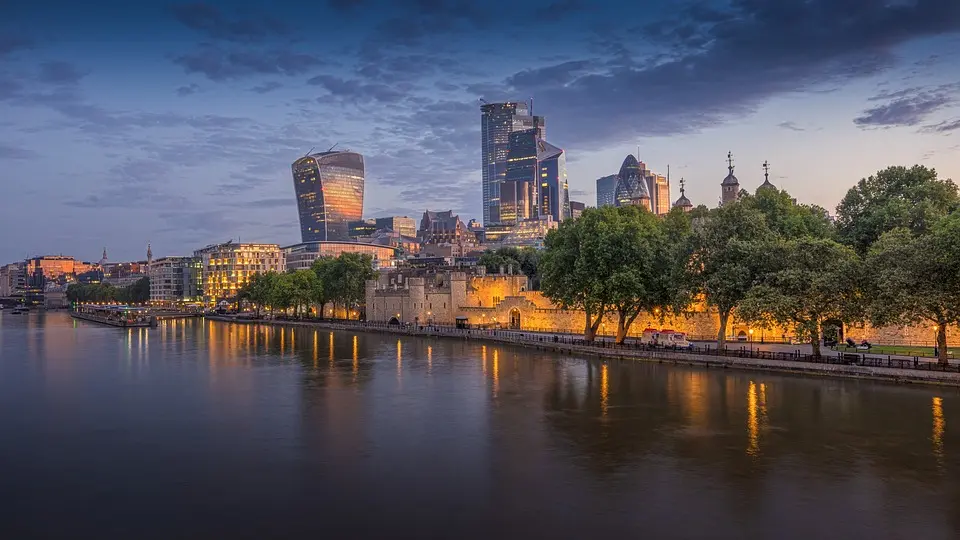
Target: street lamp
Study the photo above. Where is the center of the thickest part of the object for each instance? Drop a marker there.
(751, 341)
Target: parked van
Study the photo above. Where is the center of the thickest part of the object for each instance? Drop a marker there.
(665, 338)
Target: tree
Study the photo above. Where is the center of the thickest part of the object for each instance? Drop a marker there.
(303, 284)
(323, 293)
(525, 260)
(281, 292)
(576, 263)
(916, 279)
(728, 258)
(258, 290)
(811, 280)
(347, 277)
(788, 219)
(895, 197)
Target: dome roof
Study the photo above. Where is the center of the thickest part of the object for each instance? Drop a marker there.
(730, 180)
(683, 202)
(767, 185)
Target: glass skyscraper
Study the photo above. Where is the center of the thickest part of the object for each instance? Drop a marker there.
(497, 122)
(329, 187)
(554, 192)
(606, 191)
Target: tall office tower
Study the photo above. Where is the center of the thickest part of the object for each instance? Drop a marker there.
(497, 122)
(329, 187)
(632, 189)
(659, 187)
(606, 191)
(519, 192)
(554, 191)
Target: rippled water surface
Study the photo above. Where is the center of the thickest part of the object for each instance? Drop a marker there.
(210, 430)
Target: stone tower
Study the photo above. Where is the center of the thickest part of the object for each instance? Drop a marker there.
(730, 187)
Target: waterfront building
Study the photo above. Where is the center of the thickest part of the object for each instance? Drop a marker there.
(444, 228)
(329, 187)
(13, 279)
(683, 202)
(632, 187)
(175, 279)
(302, 256)
(576, 208)
(225, 268)
(606, 191)
(497, 122)
(49, 269)
(404, 225)
(730, 187)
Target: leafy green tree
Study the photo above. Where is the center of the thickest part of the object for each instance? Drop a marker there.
(524, 260)
(916, 279)
(281, 292)
(729, 256)
(323, 293)
(810, 281)
(349, 279)
(304, 285)
(258, 290)
(895, 197)
(787, 218)
(577, 262)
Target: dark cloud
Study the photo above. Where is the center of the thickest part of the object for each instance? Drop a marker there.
(11, 43)
(906, 107)
(267, 87)
(345, 5)
(274, 202)
(791, 126)
(560, 9)
(726, 63)
(15, 152)
(357, 91)
(218, 64)
(213, 23)
(943, 127)
(188, 90)
(60, 73)
(550, 76)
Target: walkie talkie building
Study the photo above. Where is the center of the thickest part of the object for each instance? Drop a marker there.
(329, 187)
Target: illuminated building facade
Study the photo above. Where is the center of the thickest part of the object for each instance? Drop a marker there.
(576, 209)
(329, 188)
(552, 172)
(13, 279)
(497, 122)
(174, 279)
(520, 190)
(226, 268)
(404, 225)
(444, 228)
(301, 256)
(632, 189)
(659, 187)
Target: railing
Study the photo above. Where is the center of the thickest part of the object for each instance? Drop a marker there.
(602, 345)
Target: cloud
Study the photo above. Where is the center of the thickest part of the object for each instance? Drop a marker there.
(218, 64)
(267, 87)
(560, 9)
(15, 152)
(357, 91)
(791, 126)
(725, 63)
(188, 90)
(210, 21)
(550, 76)
(909, 108)
(11, 43)
(60, 73)
(275, 202)
(943, 127)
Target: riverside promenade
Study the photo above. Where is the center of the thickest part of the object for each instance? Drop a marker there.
(833, 364)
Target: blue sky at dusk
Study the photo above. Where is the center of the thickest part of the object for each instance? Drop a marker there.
(176, 123)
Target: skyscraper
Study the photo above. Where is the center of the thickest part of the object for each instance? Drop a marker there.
(606, 191)
(632, 187)
(554, 191)
(519, 191)
(497, 122)
(329, 187)
(659, 186)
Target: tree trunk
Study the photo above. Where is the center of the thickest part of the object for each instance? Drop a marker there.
(942, 351)
(590, 328)
(722, 333)
(624, 323)
(815, 339)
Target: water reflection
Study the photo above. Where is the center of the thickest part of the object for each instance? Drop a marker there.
(630, 449)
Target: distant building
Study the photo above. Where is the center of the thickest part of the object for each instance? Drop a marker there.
(404, 225)
(361, 228)
(226, 268)
(576, 208)
(13, 279)
(301, 256)
(530, 232)
(444, 228)
(766, 178)
(474, 225)
(175, 279)
(329, 188)
(554, 191)
(497, 122)
(659, 187)
(730, 187)
(606, 191)
(632, 188)
(49, 269)
(683, 202)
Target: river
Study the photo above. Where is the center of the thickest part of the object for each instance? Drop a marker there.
(200, 429)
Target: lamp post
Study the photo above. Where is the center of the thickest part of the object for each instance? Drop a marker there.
(751, 341)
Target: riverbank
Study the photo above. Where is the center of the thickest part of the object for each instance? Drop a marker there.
(901, 375)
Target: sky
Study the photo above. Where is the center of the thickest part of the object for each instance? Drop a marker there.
(123, 123)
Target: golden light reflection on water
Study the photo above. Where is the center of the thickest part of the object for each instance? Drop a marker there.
(356, 357)
(483, 358)
(604, 389)
(429, 359)
(316, 348)
(496, 372)
(399, 360)
(939, 425)
(756, 416)
(331, 349)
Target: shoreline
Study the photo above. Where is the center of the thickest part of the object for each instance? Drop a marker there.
(887, 374)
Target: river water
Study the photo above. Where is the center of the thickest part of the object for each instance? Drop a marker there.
(210, 430)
